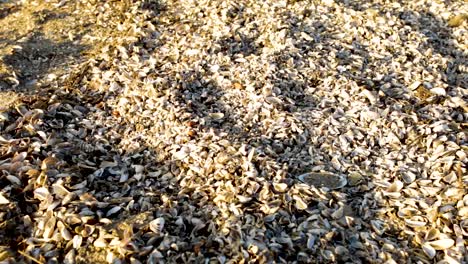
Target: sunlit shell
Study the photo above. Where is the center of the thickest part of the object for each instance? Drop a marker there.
(416, 222)
(3, 200)
(77, 240)
(438, 91)
(463, 212)
(299, 203)
(88, 230)
(41, 193)
(157, 225)
(66, 234)
(110, 257)
(19, 157)
(442, 243)
(395, 187)
(138, 171)
(60, 191)
(70, 257)
(432, 234)
(429, 250)
(280, 187)
(100, 243)
(49, 163)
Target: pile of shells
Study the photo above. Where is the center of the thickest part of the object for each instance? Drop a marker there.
(242, 131)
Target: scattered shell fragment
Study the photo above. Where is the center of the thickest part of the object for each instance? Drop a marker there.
(157, 225)
(100, 243)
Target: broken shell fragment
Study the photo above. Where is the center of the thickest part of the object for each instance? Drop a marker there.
(157, 225)
(432, 234)
(41, 193)
(300, 203)
(77, 240)
(280, 187)
(3, 200)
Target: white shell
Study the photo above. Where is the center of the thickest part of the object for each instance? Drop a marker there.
(100, 243)
(70, 257)
(442, 243)
(428, 250)
(77, 240)
(3, 200)
(463, 212)
(438, 91)
(157, 225)
(66, 234)
(41, 193)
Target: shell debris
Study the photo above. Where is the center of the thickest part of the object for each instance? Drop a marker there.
(218, 131)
